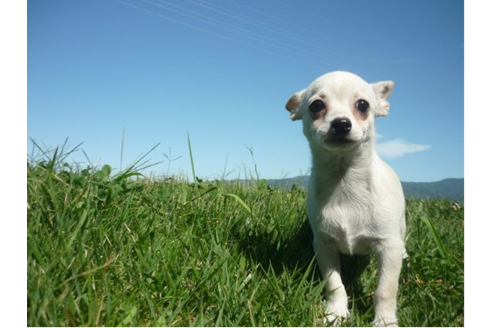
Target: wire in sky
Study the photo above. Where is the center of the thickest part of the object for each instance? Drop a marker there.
(294, 51)
(312, 31)
(294, 36)
(215, 33)
(262, 38)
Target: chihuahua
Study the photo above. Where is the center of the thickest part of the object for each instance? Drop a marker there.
(355, 202)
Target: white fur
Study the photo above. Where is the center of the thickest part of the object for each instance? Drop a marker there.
(355, 201)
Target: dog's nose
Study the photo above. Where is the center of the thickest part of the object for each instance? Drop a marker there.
(340, 126)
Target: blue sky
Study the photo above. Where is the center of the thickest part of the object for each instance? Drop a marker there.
(222, 71)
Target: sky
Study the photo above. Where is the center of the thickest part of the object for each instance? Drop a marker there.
(221, 72)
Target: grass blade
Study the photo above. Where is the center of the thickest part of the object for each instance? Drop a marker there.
(191, 159)
(436, 237)
(75, 233)
(240, 201)
(122, 148)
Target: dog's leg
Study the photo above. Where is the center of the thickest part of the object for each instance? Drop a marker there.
(329, 264)
(389, 256)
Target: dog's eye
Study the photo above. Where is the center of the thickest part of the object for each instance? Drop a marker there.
(362, 106)
(317, 106)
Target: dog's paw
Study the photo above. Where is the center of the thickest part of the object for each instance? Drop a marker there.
(335, 316)
(389, 321)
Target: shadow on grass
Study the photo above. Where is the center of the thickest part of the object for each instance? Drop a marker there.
(281, 253)
(295, 252)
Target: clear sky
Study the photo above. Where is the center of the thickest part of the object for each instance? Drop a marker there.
(223, 70)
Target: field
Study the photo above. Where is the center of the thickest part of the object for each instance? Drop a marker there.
(120, 250)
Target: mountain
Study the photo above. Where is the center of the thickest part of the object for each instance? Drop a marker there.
(453, 189)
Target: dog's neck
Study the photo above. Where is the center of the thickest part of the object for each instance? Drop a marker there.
(340, 163)
(335, 172)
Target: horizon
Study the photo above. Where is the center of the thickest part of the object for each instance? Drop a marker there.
(222, 71)
(247, 173)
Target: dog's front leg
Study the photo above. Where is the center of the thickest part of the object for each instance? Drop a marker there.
(389, 256)
(336, 296)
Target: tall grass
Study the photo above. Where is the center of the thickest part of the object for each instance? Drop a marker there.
(116, 249)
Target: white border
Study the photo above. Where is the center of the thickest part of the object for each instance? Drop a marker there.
(13, 146)
(478, 162)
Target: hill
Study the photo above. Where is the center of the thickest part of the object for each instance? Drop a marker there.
(452, 189)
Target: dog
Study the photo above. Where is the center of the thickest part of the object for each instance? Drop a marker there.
(355, 202)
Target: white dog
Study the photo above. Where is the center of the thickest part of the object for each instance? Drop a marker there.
(355, 201)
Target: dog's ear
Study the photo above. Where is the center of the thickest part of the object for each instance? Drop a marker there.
(293, 105)
(383, 92)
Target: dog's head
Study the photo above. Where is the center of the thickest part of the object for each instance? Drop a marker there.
(338, 110)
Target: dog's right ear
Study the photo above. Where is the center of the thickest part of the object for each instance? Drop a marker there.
(293, 105)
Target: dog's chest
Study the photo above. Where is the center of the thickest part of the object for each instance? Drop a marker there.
(348, 222)
(341, 208)
(349, 229)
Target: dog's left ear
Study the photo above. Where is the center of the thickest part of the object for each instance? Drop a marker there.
(383, 92)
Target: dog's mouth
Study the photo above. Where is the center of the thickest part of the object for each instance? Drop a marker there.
(338, 140)
(345, 143)
(341, 141)
(331, 140)
(338, 144)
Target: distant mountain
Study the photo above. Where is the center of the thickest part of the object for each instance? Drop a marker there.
(453, 189)
(287, 183)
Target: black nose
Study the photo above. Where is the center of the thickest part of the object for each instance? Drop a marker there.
(340, 126)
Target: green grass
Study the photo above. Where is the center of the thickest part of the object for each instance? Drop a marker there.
(112, 250)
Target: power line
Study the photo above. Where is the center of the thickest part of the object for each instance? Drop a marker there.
(270, 28)
(237, 30)
(342, 25)
(214, 33)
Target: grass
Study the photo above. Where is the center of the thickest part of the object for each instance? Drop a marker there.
(112, 250)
